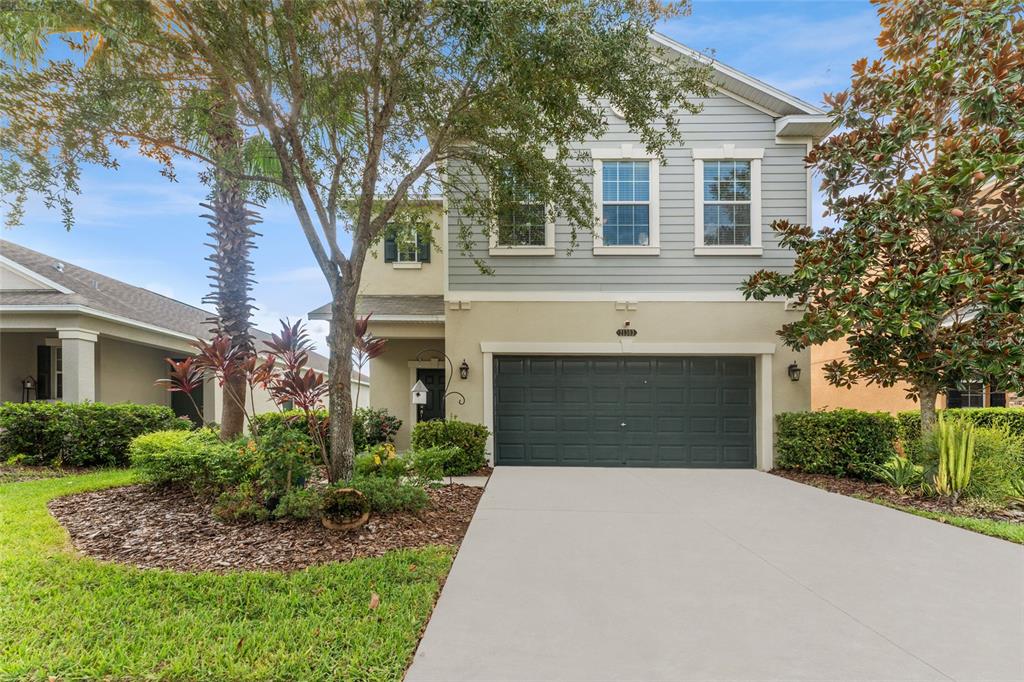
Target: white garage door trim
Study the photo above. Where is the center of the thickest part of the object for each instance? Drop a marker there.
(763, 352)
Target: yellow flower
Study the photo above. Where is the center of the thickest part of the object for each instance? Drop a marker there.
(376, 460)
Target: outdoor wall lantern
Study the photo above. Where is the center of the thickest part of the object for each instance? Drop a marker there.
(464, 370)
(28, 385)
(794, 372)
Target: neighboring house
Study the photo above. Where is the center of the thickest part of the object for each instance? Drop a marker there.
(637, 349)
(82, 336)
(876, 398)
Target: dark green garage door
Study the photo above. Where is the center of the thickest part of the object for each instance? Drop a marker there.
(624, 411)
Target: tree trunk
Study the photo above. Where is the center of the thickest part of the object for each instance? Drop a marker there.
(231, 222)
(340, 340)
(927, 394)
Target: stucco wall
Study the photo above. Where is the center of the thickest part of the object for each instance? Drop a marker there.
(390, 376)
(17, 360)
(409, 279)
(127, 372)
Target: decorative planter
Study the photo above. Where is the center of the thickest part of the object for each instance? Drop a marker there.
(347, 504)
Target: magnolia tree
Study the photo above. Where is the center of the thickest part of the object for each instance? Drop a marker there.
(366, 108)
(924, 278)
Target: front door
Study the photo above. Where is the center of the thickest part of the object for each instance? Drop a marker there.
(433, 379)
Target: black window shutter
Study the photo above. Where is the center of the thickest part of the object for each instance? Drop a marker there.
(390, 249)
(954, 398)
(424, 250)
(997, 398)
(43, 355)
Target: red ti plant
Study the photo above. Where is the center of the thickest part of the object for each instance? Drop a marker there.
(283, 373)
(185, 376)
(366, 347)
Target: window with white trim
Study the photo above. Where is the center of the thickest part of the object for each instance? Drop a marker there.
(727, 203)
(404, 246)
(626, 203)
(524, 223)
(727, 207)
(408, 248)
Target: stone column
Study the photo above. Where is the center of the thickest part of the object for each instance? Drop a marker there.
(78, 352)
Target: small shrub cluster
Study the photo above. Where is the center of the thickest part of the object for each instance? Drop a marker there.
(78, 434)
(196, 459)
(369, 427)
(387, 495)
(837, 442)
(997, 467)
(382, 460)
(451, 434)
(1012, 418)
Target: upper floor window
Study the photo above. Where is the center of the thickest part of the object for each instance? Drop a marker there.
(405, 247)
(626, 202)
(523, 228)
(727, 207)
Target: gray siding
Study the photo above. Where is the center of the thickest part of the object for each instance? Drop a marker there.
(676, 269)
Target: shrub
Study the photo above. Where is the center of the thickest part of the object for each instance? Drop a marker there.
(998, 462)
(282, 461)
(194, 458)
(435, 463)
(900, 473)
(381, 461)
(956, 456)
(372, 427)
(838, 442)
(452, 433)
(990, 417)
(299, 503)
(79, 434)
(243, 503)
(388, 495)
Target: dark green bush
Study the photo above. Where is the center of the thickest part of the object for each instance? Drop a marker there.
(381, 461)
(369, 427)
(435, 463)
(299, 503)
(1010, 417)
(196, 459)
(388, 495)
(452, 433)
(79, 434)
(838, 442)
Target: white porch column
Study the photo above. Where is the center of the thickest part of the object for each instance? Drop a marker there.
(78, 353)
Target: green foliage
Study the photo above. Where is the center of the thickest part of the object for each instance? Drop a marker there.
(341, 504)
(299, 503)
(995, 417)
(388, 495)
(429, 464)
(197, 459)
(241, 503)
(922, 278)
(470, 438)
(372, 427)
(900, 473)
(381, 461)
(998, 461)
(838, 442)
(78, 434)
(283, 460)
(956, 457)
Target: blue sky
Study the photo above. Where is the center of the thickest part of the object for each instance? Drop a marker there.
(135, 225)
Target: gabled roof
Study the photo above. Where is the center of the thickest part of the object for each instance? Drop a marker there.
(396, 308)
(66, 285)
(813, 121)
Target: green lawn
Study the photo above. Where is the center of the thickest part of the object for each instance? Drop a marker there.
(75, 618)
(1014, 532)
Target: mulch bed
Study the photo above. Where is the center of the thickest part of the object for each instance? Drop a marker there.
(174, 529)
(854, 487)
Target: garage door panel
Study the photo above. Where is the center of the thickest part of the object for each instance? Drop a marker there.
(625, 411)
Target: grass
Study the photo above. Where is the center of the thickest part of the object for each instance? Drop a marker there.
(75, 618)
(1005, 530)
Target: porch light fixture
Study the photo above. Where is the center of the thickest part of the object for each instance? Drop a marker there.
(794, 372)
(464, 370)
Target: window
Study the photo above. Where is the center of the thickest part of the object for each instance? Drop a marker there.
(405, 248)
(728, 201)
(626, 202)
(523, 228)
(626, 208)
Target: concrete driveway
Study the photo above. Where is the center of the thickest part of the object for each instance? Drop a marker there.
(643, 574)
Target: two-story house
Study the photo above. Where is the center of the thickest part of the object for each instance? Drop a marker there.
(635, 349)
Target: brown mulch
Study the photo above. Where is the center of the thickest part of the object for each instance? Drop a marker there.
(174, 529)
(854, 487)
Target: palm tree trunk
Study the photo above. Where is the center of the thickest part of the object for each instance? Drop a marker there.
(232, 237)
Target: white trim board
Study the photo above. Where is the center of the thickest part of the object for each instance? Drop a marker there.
(28, 273)
(92, 312)
(726, 296)
(625, 347)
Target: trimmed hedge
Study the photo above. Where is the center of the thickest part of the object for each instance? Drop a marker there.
(79, 434)
(837, 442)
(470, 438)
(1010, 417)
